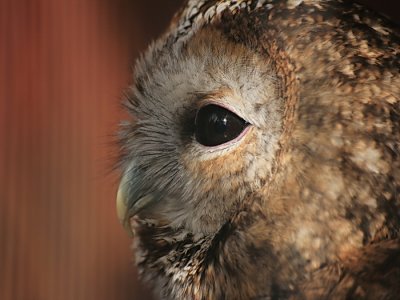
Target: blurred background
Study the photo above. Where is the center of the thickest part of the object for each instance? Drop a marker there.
(63, 67)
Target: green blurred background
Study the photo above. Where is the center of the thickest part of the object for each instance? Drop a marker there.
(63, 67)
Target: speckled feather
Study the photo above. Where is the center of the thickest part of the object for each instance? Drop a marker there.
(306, 205)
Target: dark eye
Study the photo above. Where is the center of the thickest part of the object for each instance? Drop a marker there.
(216, 125)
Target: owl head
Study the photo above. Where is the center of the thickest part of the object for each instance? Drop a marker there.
(208, 118)
(263, 140)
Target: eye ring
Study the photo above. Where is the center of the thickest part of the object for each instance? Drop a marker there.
(216, 125)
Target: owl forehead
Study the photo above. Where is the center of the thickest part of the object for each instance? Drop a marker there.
(207, 66)
(200, 12)
(194, 57)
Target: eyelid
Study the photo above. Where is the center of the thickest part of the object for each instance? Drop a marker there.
(209, 101)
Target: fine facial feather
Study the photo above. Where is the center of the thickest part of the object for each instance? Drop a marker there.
(301, 205)
(164, 151)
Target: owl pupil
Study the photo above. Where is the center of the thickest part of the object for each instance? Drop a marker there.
(219, 123)
(216, 125)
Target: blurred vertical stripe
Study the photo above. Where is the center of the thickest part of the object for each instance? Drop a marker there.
(64, 65)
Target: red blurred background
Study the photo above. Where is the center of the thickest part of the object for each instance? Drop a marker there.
(63, 67)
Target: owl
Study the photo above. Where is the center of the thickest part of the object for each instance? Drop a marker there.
(262, 157)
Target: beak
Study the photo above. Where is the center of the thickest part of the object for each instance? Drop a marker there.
(122, 206)
(128, 205)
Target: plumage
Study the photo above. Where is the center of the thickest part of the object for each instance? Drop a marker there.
(296, 196)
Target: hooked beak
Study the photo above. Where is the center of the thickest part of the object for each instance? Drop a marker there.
(128, 205)
(122, 207)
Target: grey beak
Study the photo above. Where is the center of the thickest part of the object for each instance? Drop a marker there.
(127, 205)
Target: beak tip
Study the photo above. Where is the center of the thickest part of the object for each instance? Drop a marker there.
(121, 206)
(122, 210)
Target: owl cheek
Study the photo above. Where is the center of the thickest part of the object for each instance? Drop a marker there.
(221, 169)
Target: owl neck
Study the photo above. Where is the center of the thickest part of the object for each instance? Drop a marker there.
(209, 267)
(165, 243)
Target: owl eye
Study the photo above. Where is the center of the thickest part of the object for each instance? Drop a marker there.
(215, 125)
